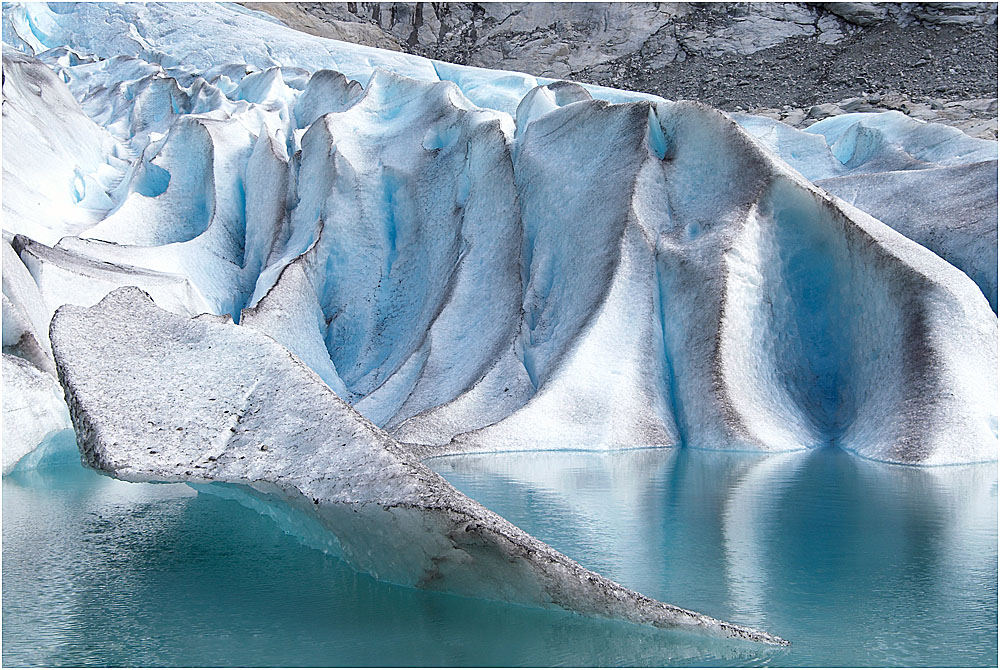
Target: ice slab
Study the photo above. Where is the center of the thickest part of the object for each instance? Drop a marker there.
(203, 400)
(25, 319)
(67, 277)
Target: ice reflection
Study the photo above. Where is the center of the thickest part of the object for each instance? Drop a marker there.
(106, 573)
(742, 516)
(858, 563)
(818, 546)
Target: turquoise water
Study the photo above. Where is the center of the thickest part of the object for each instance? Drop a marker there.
(857, 563)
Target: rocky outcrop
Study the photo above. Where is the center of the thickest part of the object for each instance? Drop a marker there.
(732, 56)
(319, 21)
(976, 118)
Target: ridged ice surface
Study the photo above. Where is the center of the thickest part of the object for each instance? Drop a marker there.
(481, 260)
(476, 260)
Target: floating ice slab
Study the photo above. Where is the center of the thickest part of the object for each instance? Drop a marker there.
(203, 400)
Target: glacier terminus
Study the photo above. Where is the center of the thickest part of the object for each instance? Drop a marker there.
(235, 254)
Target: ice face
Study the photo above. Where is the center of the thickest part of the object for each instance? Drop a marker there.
(960, 228)
(933, 184)
(33, 409)
(60, 185)
(25, 320)
(204, 400)
(482, 260)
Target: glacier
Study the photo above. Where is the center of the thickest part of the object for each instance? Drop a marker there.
(432, 259)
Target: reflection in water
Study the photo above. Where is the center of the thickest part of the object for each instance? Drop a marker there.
(858, 563)
(101, 572)
(742, 516)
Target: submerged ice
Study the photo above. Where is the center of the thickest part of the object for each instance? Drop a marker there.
(471, 260)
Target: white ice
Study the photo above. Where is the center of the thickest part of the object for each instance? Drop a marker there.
(33, 409)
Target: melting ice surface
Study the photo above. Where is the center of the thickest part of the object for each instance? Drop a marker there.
(479, 261)
(859, 563)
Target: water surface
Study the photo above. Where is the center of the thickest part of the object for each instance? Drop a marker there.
(857, 563)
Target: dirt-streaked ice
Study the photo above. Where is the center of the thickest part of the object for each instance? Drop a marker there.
(203, 400)
(468, 260)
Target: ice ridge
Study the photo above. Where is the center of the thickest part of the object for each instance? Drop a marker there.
(561, 272)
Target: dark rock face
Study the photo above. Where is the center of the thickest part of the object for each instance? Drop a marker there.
(745, 56)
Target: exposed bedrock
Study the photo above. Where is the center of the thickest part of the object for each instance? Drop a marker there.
(203, 400)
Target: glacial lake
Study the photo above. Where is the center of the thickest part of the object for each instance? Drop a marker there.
(857, 563)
